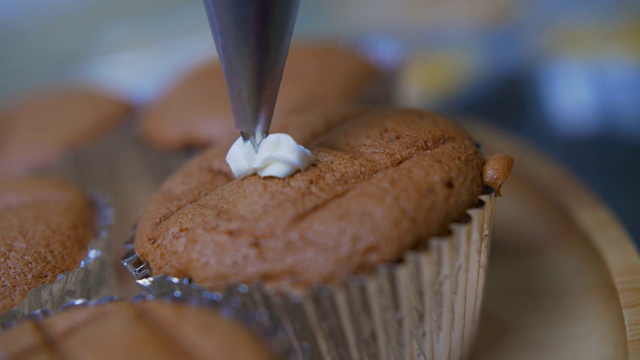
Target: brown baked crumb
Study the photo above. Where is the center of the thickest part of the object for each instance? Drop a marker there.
(496, 171)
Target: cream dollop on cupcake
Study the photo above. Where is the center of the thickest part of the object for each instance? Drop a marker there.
(278, 156)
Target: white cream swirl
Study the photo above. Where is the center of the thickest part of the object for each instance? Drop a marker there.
(278, 155)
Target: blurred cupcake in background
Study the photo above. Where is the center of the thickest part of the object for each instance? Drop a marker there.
(42, 127)
(153, 328)
(53, 240)
(195, 111)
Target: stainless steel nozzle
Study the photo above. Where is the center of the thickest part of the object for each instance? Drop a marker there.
(252, 38)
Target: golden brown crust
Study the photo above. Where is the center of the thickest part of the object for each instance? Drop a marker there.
(39, 128)
(497, 170)
(196, 110)
(382, 181)
(123, 330)
(45, 227)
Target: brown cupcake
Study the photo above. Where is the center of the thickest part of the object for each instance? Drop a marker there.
(39, 128)
(124, 330)
(196, 110)
(45, 227)
(383, 181)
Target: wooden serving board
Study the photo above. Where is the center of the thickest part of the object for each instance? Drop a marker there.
(564, 276)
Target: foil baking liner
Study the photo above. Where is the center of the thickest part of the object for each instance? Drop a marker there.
(426, 306)
(92, 279)
(125, 169)
(256, 319)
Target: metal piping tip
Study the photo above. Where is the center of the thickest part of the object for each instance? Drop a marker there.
(252, 38)
(254, 139)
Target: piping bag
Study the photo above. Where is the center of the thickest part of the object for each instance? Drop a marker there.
(252, 38)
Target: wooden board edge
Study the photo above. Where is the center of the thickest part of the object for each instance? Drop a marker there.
(605, 232)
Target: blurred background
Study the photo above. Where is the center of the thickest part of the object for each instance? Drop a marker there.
(563, 75)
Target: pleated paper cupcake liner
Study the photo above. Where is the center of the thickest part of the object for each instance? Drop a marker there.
(92, 279)
(426, 306)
